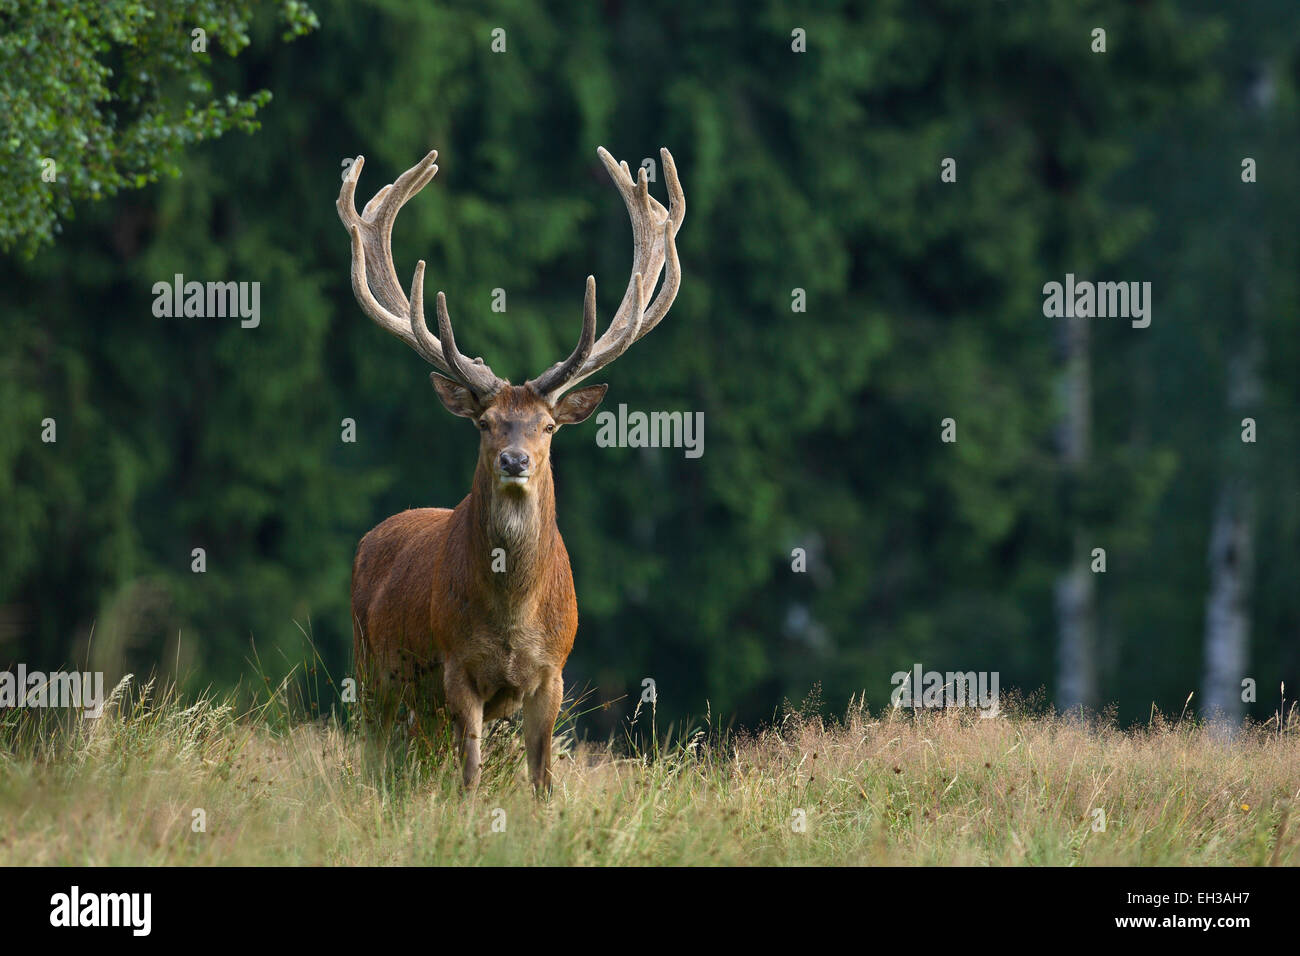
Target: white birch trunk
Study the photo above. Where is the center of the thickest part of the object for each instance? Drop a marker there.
(1076, 680)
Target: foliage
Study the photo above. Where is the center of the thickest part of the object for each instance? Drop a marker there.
(105, 96)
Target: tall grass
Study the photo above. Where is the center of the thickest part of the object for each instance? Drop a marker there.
(279, 785)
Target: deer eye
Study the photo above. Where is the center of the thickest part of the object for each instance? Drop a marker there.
(550, 428)
(483, 425)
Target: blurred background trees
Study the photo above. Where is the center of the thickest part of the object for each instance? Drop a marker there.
(813, 182)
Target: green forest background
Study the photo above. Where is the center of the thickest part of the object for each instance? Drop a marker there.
(816, 170)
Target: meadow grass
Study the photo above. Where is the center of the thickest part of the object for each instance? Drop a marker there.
(889, 788)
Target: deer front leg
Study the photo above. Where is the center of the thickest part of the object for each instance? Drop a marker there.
(467, 709)
(540, 711)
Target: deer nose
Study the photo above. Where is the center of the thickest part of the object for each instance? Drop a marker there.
(514, 463)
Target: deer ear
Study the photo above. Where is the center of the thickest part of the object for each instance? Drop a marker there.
(577, 406)
(456, 398)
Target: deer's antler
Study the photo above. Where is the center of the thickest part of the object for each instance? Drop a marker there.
(654, 244)
(374, 279)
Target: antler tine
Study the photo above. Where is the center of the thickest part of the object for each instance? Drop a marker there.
(374, 277)
(474, 375)
(654, 244)
(631, 331)
(560, 373)
(427, 343)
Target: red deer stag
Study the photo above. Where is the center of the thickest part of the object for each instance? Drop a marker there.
(482, 593)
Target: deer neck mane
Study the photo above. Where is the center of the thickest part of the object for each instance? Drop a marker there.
(519, 522)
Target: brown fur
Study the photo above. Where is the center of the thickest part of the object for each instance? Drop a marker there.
(429, 609)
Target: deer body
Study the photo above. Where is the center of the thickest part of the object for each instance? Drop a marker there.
(478, 598)
(476, 604)
(420, 596)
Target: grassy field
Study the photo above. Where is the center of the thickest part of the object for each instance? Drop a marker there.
(944, 788)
